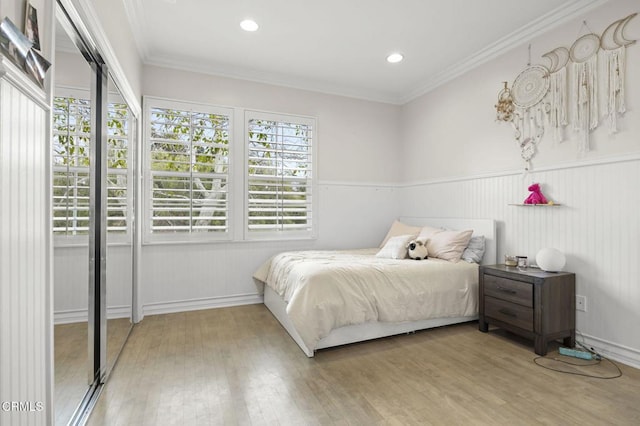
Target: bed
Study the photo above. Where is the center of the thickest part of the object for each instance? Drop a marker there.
(327, 298)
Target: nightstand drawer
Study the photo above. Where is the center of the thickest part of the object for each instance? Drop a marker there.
(510, 313)
(510, 290)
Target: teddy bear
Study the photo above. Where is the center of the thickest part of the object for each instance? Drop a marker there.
(417, 249)
(536, 196)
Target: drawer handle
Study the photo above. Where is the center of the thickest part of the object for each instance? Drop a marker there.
(507, 313)
(507, 290)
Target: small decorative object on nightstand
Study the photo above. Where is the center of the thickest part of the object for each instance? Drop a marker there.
(529, 302)
(550, 260)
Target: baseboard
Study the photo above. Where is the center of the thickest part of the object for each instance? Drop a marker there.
(199, 304)
(68, 317)
(81, 315)
(614, 351)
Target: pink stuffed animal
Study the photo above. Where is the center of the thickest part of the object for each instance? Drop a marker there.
(536, 196)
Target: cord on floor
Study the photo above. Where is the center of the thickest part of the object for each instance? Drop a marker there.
(598, 358)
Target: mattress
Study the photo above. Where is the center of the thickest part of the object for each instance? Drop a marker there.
(325, 290)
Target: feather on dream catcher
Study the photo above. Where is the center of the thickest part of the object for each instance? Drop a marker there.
(614, 45)
(559, 58)
(584, 87)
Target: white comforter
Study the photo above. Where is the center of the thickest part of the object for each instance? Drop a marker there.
(325, 290)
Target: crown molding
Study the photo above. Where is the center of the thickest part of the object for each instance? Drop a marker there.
(517, 38)
(547, 22)
(275, 79)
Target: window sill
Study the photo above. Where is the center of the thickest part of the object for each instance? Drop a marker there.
(227, 241)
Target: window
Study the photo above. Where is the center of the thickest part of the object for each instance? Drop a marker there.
(188, 147)
(196, 189)
(71, 136)
(71, 156)
(279, 189)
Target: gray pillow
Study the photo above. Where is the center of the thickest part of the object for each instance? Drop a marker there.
(475, 250)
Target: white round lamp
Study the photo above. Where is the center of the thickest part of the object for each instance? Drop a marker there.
(550, 260)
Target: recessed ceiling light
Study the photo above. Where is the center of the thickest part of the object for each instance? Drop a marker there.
(395, 58)
(249, 25)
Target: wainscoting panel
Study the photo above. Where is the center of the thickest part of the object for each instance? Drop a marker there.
(25, 326)
(596, 225)
(71, 282)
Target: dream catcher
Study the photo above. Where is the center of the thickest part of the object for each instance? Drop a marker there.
(614, 45)
(584, 87)
(540, 96)
(559, 57)
(505, 107)
(528, 90)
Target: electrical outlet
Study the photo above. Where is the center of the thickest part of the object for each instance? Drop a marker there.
(581, 303)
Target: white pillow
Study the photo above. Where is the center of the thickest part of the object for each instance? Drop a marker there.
(428, 231)
(447, 245)
(475, 250)
(395, 247)
(399, 228)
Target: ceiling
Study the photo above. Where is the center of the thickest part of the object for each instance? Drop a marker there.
(340, 46)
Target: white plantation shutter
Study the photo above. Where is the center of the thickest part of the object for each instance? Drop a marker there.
(71, 154)
(280, 163)
(71, 137)
(118, 136)
(188, 162)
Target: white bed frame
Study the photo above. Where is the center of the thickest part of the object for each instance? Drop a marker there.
(374, 330)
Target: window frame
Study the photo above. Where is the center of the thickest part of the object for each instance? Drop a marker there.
(148, 237)
(237, 175)
(279, 235)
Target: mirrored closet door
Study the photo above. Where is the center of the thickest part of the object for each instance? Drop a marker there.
(93, 144)
(71, 140)
(121, 131)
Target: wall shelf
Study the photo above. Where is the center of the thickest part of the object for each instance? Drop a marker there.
(535, 205)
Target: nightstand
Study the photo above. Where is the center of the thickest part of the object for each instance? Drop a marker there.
(529, 302)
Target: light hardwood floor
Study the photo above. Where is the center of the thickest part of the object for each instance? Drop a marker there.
(238, 366)
(71, 368)
(71, 362)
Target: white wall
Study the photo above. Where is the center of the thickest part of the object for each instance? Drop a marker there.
(72, 70)
(597, 226)
(358, 172)
(358, 140)
(457, 120)
(71, 280)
